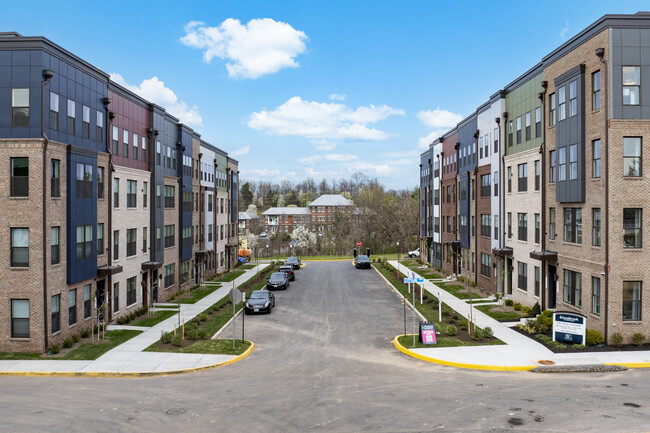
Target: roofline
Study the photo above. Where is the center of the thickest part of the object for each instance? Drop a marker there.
(118, 88)
(524, 78)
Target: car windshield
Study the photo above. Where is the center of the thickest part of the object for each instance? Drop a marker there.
(362, 258)
(292, 260)
(259, 294)
(286, 268)
(277, 276)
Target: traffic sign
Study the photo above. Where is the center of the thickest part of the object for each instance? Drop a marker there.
(409, 280)
(359, 243)
(235, 296)
(419, 280)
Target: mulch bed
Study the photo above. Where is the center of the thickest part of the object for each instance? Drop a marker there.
(571, 349)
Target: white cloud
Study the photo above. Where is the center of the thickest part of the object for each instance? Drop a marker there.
(316, 120)
(241, 151)
(265, 172)
(565, 30)
(155, 91)
(424, 142)
(262, 46)
(324, 145)
(439, 118)
(338, 97)
(327, 174)
(340, 157)
(374, 169)
(310, 160)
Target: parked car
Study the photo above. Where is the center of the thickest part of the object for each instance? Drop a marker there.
(278, 280)
(294, 262)
(362, 261)
(259, 301)
(263, 234)
(414, 253)
(288, 269)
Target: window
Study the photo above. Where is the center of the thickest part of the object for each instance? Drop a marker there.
(538, 174)
(144, 239)
(519, 130)
(116, 145)
(573, 98)
(85, 122)
(509, 225)
(116, 297)
(495, 135)
(144, 149)
(631, 85)
(573, 162)
(537, 280)
(169, 236)
(54, 245)
(170, 193)
(551, 223)
(54, 111)
(19, 247)
(125, 143)
(485, 185)
(185, 272)
(485, 225)
(510, 129)
(595, 159)
(84, 242)
(496, 227)
(56, 315)
(131, 239)
(145, 190)
(158, 195)
(595, 295)
(538, 122)
(573, 225)
(631, 156)
(100, 182)
(632, 227)
(168, 159)
(169, 275)
(562, 162)
(100, 238)
(72, 306)
(573, 288)
(158, 239)
(116, 244)
(19, 177)
(631, 300)
(523, 177)
(522, 219)
(209, 232)
(116, 192)
(528, 131)
(552, 158)
(84, 183)
(135, 146)
(99, 129)
(19, 107)
(537, 227)
(131, 191)
(595, 235)
(595, 90)
(87, 301)
(552, 110)
(486, 265)
(522, 276)
(157, 152)
(130, 291)
(20, 318)
(209, 202)
(71, 117)
(562, 102)
(509, 179)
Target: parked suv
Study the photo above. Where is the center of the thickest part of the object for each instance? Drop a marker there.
(278, 280)
(294, 262)
(288, 269)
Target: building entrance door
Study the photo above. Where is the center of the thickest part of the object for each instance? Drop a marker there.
(552, 286)
(509, 275)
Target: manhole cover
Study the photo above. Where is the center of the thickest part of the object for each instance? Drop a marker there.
(545, 362)
(176, 411)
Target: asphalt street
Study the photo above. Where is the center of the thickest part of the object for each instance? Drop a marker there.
(324, 361)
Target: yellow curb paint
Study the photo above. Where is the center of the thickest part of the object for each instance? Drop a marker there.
(630, 364)
(126, 374)
(460, 364)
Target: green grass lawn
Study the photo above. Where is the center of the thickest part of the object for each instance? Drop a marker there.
(91, 351)
(499, 315)
(229, 276)
(445, 341)
(455, 289)
(213, 347)
(480, 301)
(12, 356)
(197, 294)
(158, 317)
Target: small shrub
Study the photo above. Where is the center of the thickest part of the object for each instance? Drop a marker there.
(203, 317)
(455, 317)
(536, 310)
(192, 334)
(488, 332)
(121, 321)
(461, 279)
(638, 339)
(463, 327)
(477, 334)
(55, 348)
(543, 338)
(451, 330)
(545, 319)
(85, 333)
(204, 334)
(617, 339)
(560, 347)
(529, 327)
(172, 297)
(75, 338)
(445, 313)
(594, 337)
(67, 343)
(166, 337)
(517, 306)
(579, 346)
(526, 311)
(176, 340)
(508, 302)
(542, 329)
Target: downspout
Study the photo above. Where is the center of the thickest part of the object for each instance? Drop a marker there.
(179, 175)
(47, 74)
(600, 52)
(502, 201)
(542, 151)
(476, 134)
(109, 236)
(420, 213)
(457, 216)
(439, 209)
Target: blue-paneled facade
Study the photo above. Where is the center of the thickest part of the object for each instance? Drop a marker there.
(467, 159)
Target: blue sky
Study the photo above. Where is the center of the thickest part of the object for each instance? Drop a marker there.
(319, 89)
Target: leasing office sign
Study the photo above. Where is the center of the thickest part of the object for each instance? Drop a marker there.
(569, 327)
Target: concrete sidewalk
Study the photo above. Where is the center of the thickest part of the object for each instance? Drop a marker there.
(519, 352)
(129, 358)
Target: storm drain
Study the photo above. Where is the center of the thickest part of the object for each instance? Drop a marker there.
(176, 411)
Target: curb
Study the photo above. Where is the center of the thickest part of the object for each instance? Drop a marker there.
(586, 368)
(126, 374)
(412, 354)
(630, 364)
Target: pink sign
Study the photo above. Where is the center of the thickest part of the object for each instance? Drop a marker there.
(428, 333)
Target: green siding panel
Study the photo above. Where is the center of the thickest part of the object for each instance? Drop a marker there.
(520, 101)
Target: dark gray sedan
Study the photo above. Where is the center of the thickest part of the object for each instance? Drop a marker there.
(362, 262)
(278, 280)
(259, 301)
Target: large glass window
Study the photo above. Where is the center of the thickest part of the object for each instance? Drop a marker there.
(523, 177)
(522, 219)
(510, 131)
(116, 138)
(537, 280)
(19, 247)
(85, 124)
(595, 295)
(485, 225)
(551, 223)
(537, 228)
(71, 118)
(573, 98)
(538, 122)
(130, 291)
(486, 265)
(595, 90)
(19, 107)
(116, 297)
(573, 162)
(595, 159)
(55, 166)
(522, 274)
(84, 183)
(573, 288)
(20, 318)
(631, 85)
(552, 173)
(100, 238)
(125, 143)
(170, 195)
(131, 192)
(100, 182)
(54, 111)
(562, 162)
(87, 305)
(528, 126)
(485, 185)
(99, 129)
(116, 192)
(595, 237)
(72, 306)
(54, 245)
(562, 102)
(169, 275)
(135, 146)
(84, 242)
(573, 225)
(519, 130)
(632, 235)
(55, 305)
(19, 177)
(538, 174)
(632, 156)
(632, 300)
(116, 244)
(169, 235)
(131, 240)
(552, 110)
(144, 149)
